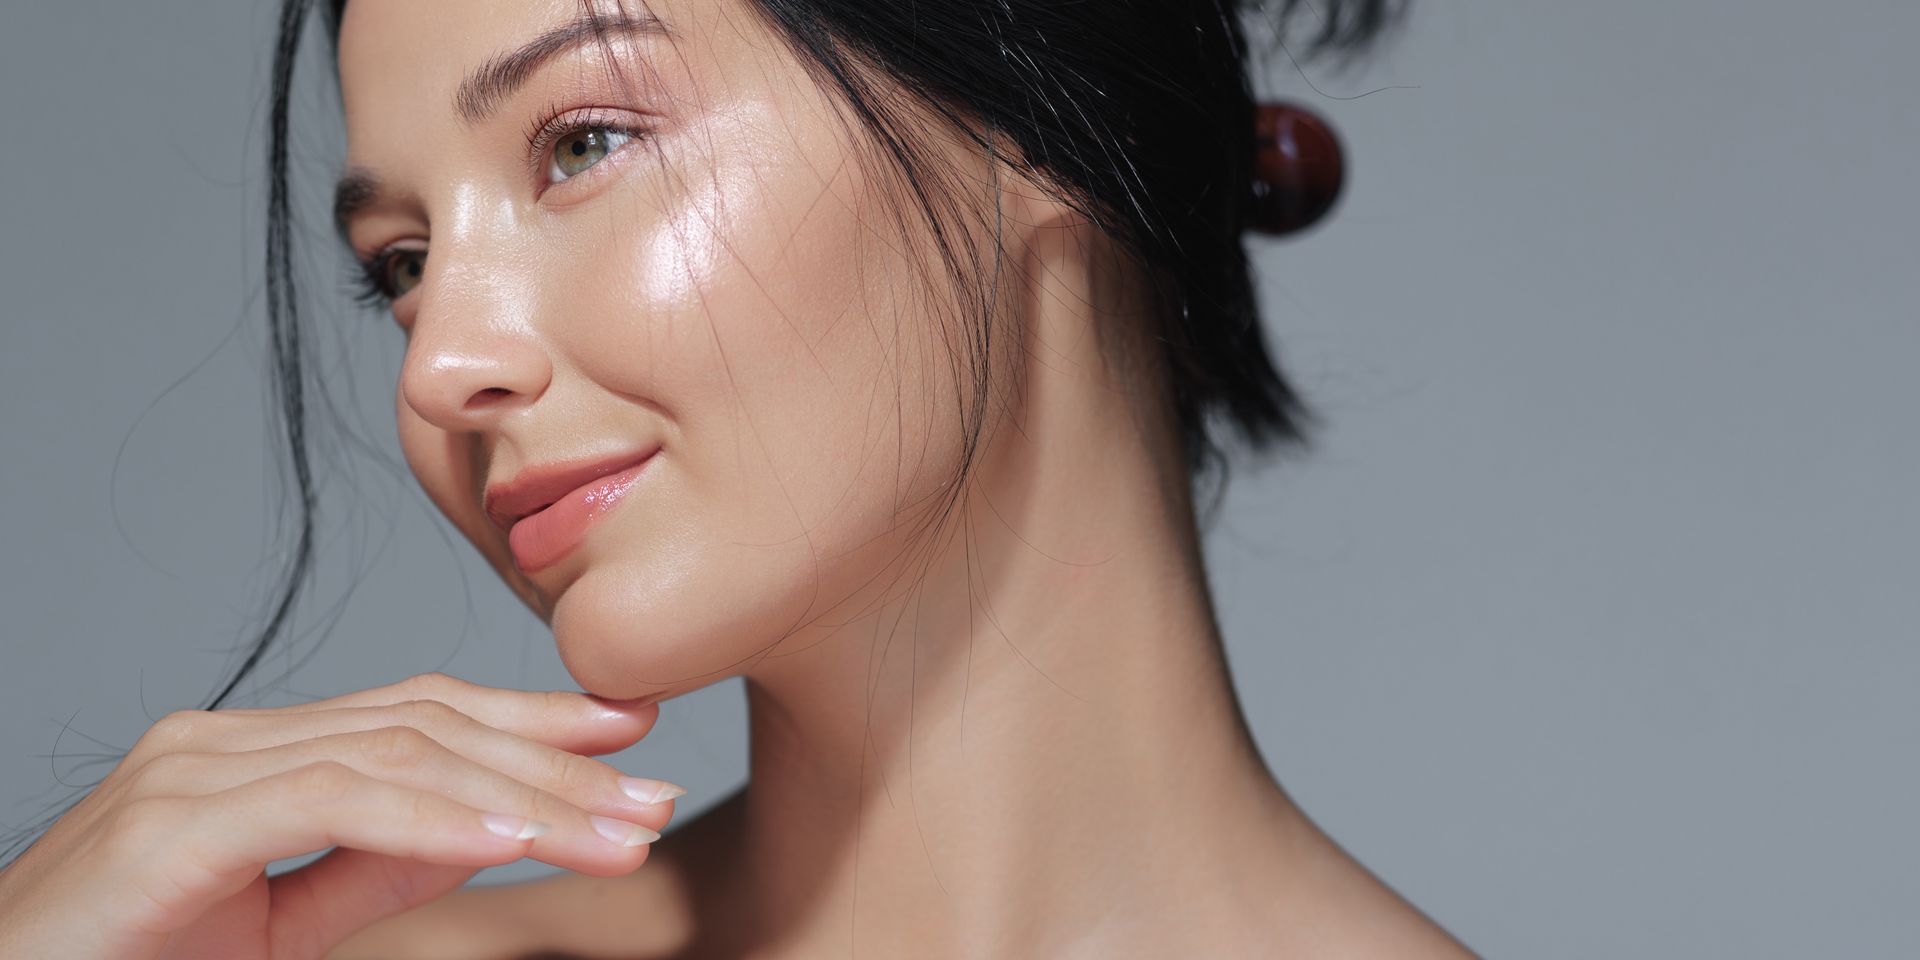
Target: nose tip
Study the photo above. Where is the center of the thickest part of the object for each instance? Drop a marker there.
(466, 386)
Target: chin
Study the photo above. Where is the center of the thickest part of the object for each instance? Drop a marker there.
(677, 619)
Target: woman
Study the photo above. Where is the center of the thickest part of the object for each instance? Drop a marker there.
(867, 351)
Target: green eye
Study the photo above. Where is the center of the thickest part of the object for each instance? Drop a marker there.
(579, 149)
(403, 270)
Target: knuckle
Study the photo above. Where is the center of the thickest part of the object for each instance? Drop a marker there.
(176, 730)
(434, 685)
(427, 713)
(422, 810)
(165, 771)
(322, 781)
(398, 745)
(569, 769)
(541, 805)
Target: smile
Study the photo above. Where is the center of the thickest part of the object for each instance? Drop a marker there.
(548, 510)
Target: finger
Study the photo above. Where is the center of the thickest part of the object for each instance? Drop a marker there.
(584, 781)
(576, 722)
(177, 857)
(409, 757)
(320, 905)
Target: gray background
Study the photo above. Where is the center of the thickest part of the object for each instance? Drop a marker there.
(1590, 625)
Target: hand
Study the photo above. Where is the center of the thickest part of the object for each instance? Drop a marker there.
(419, 784)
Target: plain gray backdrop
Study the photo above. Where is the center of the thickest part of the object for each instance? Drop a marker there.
(1590, 625)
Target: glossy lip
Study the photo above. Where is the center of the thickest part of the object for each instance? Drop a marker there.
(535, 488)
(582, 490)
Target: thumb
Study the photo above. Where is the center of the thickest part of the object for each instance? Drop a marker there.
(320, 905)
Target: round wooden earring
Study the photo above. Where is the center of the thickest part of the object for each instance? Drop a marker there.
(1297, 169)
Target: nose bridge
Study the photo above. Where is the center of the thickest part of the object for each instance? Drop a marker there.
(473, 353)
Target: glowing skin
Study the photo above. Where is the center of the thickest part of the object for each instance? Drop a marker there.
(1034, 752)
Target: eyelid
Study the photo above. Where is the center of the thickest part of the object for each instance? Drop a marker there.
(549, 126)
(372, 260)
(541, 134)
(371, 276)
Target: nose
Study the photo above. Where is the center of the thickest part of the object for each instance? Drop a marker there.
(470, 360)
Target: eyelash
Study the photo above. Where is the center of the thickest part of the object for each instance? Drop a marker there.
(369, 276)
(369, 280)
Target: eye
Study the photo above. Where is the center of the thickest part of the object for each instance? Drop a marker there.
(388, 276)
(401, 270)
(578, 149)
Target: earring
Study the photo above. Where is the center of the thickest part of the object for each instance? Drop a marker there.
(1297, 168)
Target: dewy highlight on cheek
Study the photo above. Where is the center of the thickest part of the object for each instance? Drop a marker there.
(680, 255)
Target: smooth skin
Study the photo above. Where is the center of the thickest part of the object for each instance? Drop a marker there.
(1004, 730)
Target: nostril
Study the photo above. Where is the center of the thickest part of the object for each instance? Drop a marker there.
(488, 396)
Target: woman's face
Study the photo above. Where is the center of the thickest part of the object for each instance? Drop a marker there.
(693, 264)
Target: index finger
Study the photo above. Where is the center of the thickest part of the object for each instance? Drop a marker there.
(576, 722)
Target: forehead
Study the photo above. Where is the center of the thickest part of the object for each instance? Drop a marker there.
(423, 46)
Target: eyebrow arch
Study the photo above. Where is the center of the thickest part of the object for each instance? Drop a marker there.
(484, 89)
(489, 85)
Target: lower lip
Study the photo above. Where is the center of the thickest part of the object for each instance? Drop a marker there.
(541, 539)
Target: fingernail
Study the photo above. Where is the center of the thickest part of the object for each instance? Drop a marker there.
(650, 791)
(628, 706)
(623, 833)
(513, 828)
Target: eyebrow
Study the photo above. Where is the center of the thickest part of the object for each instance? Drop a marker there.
(488, 86)
(496, 80)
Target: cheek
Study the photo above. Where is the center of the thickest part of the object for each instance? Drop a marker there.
(766, 304)
(812, 406)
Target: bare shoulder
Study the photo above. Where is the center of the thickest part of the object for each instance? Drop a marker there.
(1331, 905)
(645, 914)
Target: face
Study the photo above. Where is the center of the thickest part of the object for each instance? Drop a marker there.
(682, 264)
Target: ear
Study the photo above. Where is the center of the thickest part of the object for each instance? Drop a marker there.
(1029, 205)
(1080, 288)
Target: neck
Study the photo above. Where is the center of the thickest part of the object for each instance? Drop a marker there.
(1039, 736)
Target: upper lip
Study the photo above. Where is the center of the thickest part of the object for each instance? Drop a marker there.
(536, 487)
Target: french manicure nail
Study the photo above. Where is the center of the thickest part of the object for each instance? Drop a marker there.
(650, 791)
(513, 828)
(633, 705)
(623, 833)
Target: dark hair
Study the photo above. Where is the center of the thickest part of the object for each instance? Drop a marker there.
(1137, 113)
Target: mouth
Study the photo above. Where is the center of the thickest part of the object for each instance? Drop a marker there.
(546, 510)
